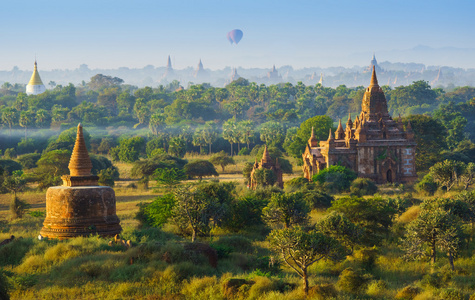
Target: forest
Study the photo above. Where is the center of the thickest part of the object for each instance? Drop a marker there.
(180, 159)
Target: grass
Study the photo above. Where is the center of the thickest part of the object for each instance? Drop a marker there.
(159, 267)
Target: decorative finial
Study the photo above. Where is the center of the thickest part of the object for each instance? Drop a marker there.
(313, 133)
(80, 163)
(374, 80)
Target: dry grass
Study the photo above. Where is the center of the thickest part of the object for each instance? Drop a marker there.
(409, 215)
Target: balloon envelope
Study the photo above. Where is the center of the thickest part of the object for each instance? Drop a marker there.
(234, 36)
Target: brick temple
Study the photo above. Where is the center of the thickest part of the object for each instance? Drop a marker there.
(374, 146)
(267, 163)
(80, 207)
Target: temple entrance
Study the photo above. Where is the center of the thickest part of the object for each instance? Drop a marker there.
(389, 176)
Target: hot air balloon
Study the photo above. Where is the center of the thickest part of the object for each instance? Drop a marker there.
(234, 36)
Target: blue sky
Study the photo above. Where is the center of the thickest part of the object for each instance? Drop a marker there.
(318, 33)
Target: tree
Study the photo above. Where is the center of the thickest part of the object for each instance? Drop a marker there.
(272, 133)
(429, 135)
(15, 182)
(129, 150)
(300, 249)
(337, 226)
(446, 173)
(27, 119)
(177, 147)
(434, 228)
(468, 175)
(199, 168)
(158, 212)
(43, 118)
(51, 166)
(9, 117)
(222, 159)
(230, 133)
(198, 139)
(210, 133)
(169, 177)
(335, 178)
(321, 126)
(157, 121)
(287, 209)
(375, 215)
(196, 211)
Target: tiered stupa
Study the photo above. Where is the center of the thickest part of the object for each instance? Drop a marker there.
(35, 85)
(80, 206)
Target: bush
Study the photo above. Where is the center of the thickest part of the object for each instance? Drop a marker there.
(335, 178)
(18, 208)
(4, 286)
(296, 183)
(157, 212)
(28, 161)
(427, 185)
(352, 282)
(9, 153)
(323, 292)
(106, 177)
(236, 243)
(363, 186)
(244, 151)
(202, 288)
(436, 280)
(13, 253)
(318, 199)
(408, 293)
(451, 294)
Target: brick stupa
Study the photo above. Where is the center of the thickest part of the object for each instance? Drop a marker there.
(80, 206)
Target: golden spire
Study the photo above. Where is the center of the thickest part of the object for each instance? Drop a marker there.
(35, 77)
(80, 163)
(330, 136)
(374, 80)
(312, 141)
(313, 134)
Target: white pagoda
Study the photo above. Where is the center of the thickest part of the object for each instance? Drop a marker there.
(35, 86)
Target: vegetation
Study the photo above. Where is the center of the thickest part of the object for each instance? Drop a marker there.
(333, 237)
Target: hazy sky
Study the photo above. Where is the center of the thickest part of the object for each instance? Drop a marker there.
(316, 33)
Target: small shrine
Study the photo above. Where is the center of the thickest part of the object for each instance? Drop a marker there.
(80, 207)
(267, 163)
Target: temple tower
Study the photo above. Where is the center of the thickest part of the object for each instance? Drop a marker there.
(80, 207)
(267, 163)
(35, 85)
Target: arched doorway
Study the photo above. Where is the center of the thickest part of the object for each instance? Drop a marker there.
(389, 176)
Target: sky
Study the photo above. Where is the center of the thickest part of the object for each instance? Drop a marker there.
(315, 33)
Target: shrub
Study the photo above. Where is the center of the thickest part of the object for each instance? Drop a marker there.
(202, 288)
(18, 208)
(377, 288)
(13, 252)
(363, 186)
(366, 257)
(296, 183)
(351, 281)
(427, 185)
(28, 161)
(4, 286)
(436, 280)
(335, 178)
(106, 177)
(317, 199)
(244, 151)
(157, 212)
(323, 292)
(236, 287)
(408, 293)
(9, 153)
(237, 243)
(451, 294)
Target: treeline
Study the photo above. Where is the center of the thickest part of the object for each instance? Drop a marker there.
(205, 119)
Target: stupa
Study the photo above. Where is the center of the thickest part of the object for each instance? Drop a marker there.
(80, 207)
(35, 85)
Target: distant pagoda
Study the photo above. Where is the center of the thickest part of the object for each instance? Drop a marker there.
(35, 85)
(169, 71)
(374, 63)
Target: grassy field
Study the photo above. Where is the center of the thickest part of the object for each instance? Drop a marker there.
(159, 266)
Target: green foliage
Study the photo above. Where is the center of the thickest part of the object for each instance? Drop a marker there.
(51, 166)
(200, 168)
(222, 159)
(129, 150)
(4, 286)
(9, 166)
(427, 185)
(341, 228)
(265, 177)
(169, 177)
(244, 151)
(317, 199)
(438, 226)
(446, 174)
(300, 249)
(244, 212)
(106, 176)
(158, 212)
(374, 215)
(352, 281)
(363, 186)
(28, 161)
(335, 178)
(287, 210)
(408, 293)
(147, 167)
(9, 153)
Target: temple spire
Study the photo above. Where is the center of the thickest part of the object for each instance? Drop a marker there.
(266, 156)
(80, 163)
(374, 79)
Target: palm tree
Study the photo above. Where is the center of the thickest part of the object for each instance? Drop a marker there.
(27, 118)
